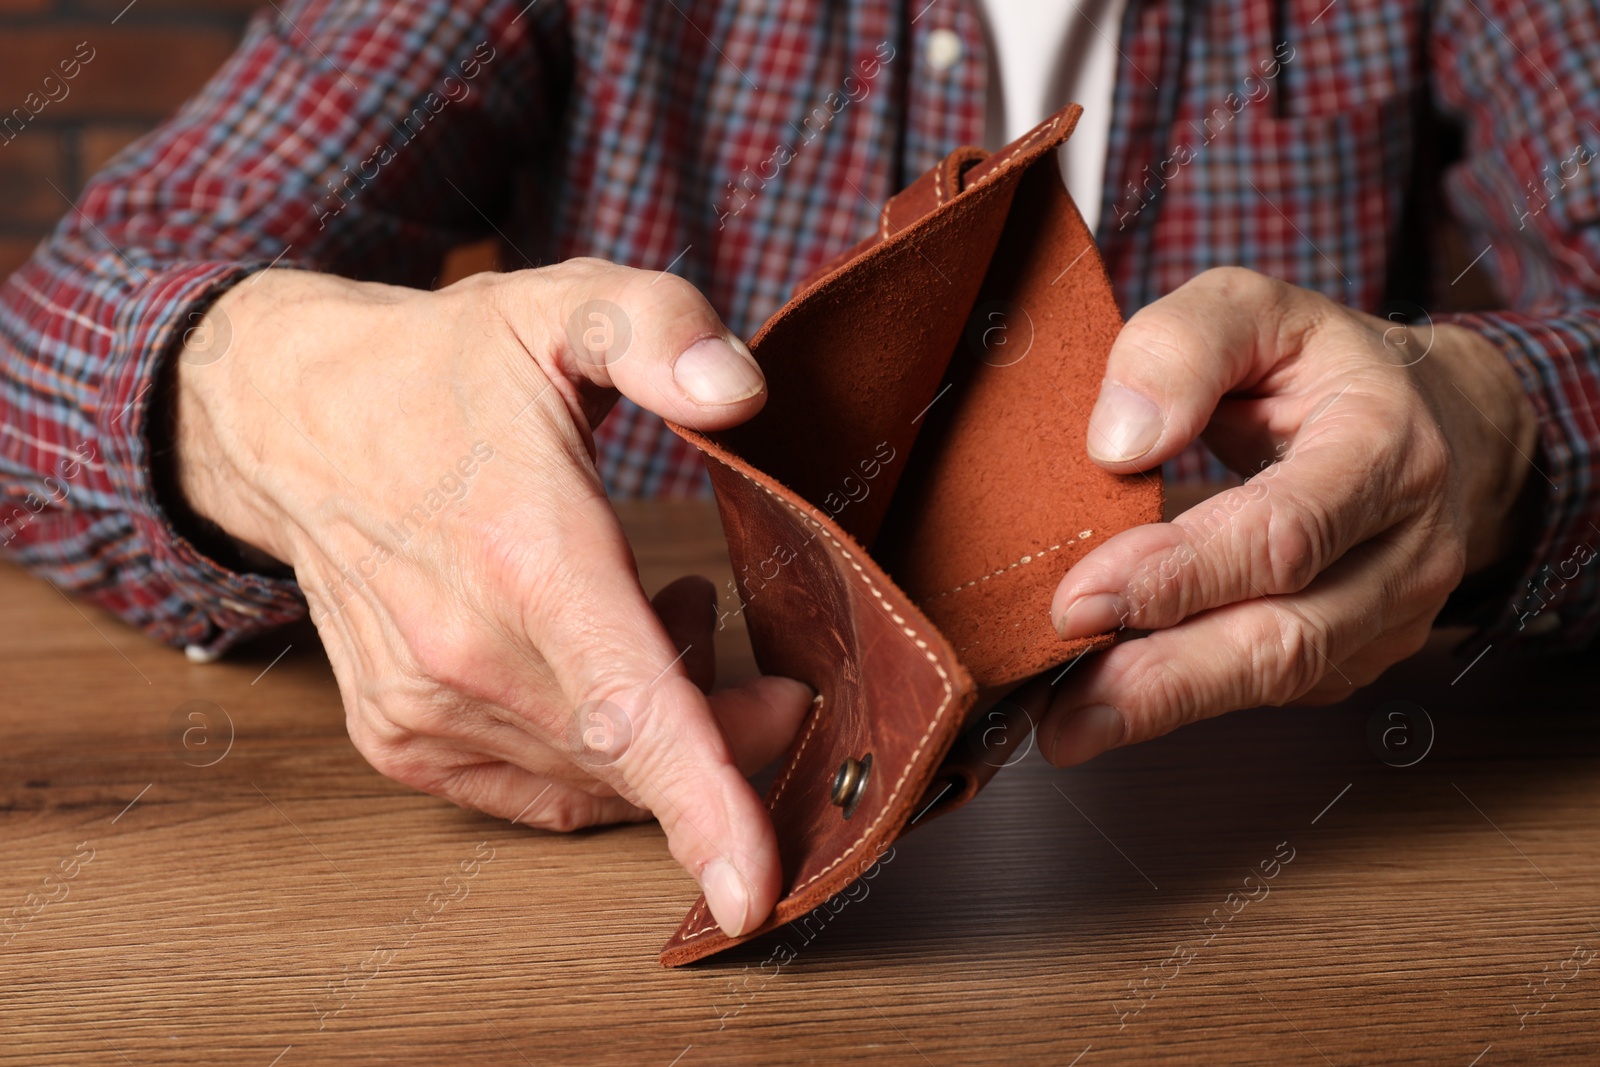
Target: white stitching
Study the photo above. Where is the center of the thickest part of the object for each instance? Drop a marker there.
(783, 783)
(998, 167)
(1030, 558)
(938, 185)
(938, 715)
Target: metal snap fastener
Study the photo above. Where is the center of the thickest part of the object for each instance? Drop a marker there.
(850, 783)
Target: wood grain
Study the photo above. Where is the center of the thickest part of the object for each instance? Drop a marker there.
(274, 906)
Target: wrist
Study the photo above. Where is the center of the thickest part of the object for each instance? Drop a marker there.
(1492, 429)
(227, 435)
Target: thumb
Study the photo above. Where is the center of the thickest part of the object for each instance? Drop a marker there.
(655, 338)
(1177, 357)
(643, 727)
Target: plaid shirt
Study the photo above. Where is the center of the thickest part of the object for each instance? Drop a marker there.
(741, 144)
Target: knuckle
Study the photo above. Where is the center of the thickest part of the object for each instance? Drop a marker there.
(1431, 456)
(577, 270)
(600, 733)
(1289, 656)
(451, 666)
(446, 656)
(655, 742)
(1243, 286)
(1299, 543)
(1204, 559)
(1408, 431)
(1442, 569)
(1238, 280)
(404, 761)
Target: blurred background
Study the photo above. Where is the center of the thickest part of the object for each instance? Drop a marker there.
(151, 55)
(148, 57)
(153, 58)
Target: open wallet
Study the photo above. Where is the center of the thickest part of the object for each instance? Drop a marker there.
(901, 510)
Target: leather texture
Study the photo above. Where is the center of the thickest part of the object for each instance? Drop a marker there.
(902, 509)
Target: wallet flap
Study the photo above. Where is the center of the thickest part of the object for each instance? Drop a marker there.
(1001, 498)
(854, 360)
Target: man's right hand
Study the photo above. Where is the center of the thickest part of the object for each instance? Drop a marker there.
(424, 462)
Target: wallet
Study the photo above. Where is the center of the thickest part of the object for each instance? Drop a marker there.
(901, 511)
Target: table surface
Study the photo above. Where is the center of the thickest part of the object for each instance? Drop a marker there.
(228, 882)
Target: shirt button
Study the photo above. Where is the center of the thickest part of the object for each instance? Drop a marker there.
(943, 49)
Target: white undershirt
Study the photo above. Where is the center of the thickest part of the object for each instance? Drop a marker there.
(1051, 53)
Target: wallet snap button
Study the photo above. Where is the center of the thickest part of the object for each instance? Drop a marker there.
(850, 783)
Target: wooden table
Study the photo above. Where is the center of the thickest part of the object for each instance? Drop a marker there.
(196, 902)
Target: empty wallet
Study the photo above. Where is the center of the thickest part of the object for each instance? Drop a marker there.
(901, 510)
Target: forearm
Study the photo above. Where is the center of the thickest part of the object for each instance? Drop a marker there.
(112, 303)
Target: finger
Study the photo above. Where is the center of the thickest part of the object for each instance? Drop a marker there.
(760, 718)
(509, 792)
(1270, 536)
(1270, 650)
(1175, 358)
(614, 660)
(688, 610)
(654, 337)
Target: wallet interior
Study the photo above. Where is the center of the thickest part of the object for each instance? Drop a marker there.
(937, 412)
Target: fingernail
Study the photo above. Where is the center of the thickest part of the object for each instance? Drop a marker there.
(1087, 732)
(715, 372)
(728, 896)
(1125, 425)
(1096, 613)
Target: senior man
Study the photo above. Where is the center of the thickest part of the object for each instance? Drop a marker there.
(229, 396)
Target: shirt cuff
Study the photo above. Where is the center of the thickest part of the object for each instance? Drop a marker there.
(187, 599)
(1553, 604)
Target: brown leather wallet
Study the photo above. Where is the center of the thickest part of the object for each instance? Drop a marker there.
(902, 509)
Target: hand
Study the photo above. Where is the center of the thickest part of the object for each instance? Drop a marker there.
(424, 463)
(1382, 473)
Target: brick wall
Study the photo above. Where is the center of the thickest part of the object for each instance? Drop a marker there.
(143, 60)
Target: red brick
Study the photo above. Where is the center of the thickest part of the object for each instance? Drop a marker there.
(132, 72)
(111, 8)
(28, 165)
(99, 143)
(14, 251)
